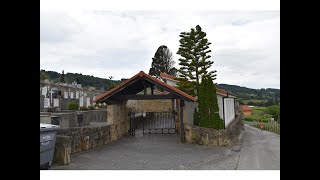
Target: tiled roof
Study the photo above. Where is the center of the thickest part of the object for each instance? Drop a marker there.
(245, 108)
(152, 79)
(165, 75)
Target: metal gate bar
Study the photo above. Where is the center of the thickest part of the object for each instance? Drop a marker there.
(159, 123)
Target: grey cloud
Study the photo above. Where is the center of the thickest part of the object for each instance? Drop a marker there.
(57, 27)
(123, 43)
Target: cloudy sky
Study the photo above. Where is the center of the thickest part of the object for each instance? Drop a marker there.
(121, 42)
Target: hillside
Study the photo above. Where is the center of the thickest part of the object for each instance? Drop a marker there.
(258, 97)
(85, 80)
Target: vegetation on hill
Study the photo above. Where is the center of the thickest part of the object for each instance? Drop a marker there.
(84, 80)
(255, 97)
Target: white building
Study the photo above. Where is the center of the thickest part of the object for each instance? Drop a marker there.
(226, 102)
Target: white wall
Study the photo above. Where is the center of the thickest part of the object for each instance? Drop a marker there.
(172, 82)
(188, 111)
(228, 110)
(220, 105)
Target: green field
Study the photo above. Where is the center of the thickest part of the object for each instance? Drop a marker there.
(258, 113)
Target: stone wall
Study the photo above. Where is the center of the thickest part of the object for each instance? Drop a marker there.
(88, 137)
(79, 139)
(150, 105)
(214, 137)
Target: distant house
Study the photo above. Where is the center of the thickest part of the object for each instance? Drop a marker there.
(247, 111)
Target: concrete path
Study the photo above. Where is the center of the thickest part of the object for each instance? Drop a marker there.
(260, 150)
(158, 152)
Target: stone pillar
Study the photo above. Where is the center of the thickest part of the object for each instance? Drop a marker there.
(62, 150)
(117, 115)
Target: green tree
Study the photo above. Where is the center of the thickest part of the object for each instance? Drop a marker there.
(43, 75)
(62, 77)
(274, 111)
(162, 62)
(208, 105)
(196, 117)
(194, 61)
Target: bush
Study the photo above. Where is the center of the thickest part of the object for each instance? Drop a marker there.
(249, 119)
(91, 107)
(73, 106)
(84, 108)
(196, 117)
(208, 105)
(274, 111)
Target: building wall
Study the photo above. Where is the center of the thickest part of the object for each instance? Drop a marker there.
(171, 82)
(229, 110)
(188, 111)
(220, 104)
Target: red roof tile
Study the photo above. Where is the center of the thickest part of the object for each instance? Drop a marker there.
(165, 75)
(245, 108)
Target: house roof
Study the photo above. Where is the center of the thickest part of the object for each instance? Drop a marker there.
(245, 108)
(135, 80)
(167, 76)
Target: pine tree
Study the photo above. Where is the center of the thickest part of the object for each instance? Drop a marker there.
(194, 49)
(62, 77)
(208, 105)
(162, 62)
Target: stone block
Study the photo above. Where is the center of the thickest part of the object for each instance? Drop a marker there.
(62, 150)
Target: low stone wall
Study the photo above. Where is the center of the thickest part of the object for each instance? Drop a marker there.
(214, 137)
(85, 138)
(81, 139)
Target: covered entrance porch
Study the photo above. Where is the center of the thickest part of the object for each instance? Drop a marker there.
(142, 87)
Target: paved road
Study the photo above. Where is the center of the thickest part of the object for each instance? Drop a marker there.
(158, 152)
(260, 150)
(254, 150)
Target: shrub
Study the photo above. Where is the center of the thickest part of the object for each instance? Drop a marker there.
(73, 106)
(249, 119)
(208, 105)
(84, 108)
(274, 111)
(91, 107)
(196, 117)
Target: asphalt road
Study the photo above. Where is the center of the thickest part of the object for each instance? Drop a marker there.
(260, 150)
(255, 149)
(157, 152)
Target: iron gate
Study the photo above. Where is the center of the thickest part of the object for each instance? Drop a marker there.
(153, 122)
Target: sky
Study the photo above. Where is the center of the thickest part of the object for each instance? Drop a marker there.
(103, 40)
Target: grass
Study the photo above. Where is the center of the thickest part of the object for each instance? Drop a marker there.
(257, 114)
